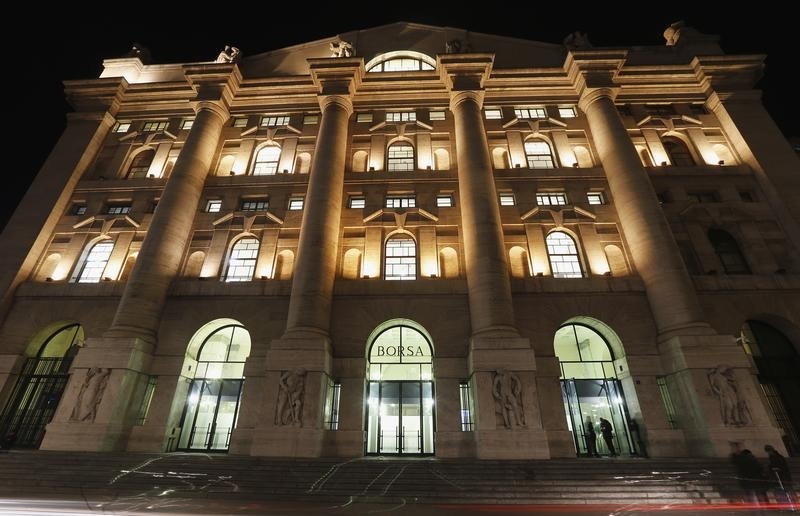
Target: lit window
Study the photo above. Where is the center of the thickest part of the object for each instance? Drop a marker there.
(530, 113)
(507, 199)
(400, 61)
(401, 116)
(295, 203)
(567, 112)
(310, 119)
(467, 407)
(595, 198)
(364, 117)
(214, 206)
(240, 122)
(436, 115)
(242, 262)
(493, 113)
(187, 124)
(78, 209)
(118, 209)
(122, 127)
(538, 154)
(255, 205)
(401, 201)
(154, 126)
(551, 199)
(267, 161)
(563, 254)
(401, 258)
(401, 157)
(444, 201)
(95, 262)
(357, 202)
(274, 121)
(141, 164)
(332, 397)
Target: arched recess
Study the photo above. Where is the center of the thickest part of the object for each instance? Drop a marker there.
(214, 363)
(616, 260)
(500, 158)
(441, 159)
(284, 265)
(242, 257)
(539, 153)
(93, 260)
(194, 264)
(400, 401)
(130, 261)
(48, 267)
(400, 256)
(351, 264)
(644, 155)
(679, 150)
(226, 165)
(583, 156)
(728, 251)
(401, 156)
(360, 161)
(41, 383)
(590, 353)
(724, 153)
(774, 345)
(266, 161)
(448, 263)
(140, 162)
(564, 254)
(518, 262)
(302, 164)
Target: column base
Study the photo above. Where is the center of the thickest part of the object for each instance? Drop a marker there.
(287, 442)
(560, 443)
(343, 443)
(88, 437)
(516, 443)
(455, 445)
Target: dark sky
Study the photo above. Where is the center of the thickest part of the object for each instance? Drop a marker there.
(75, 48)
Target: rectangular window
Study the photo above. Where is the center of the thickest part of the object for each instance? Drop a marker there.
(154, 126)
(567, 112)
(493, 113)
(122, 127)
(551, 199)
(296, 203)
(332, 397)
(528, 113)
(274, 121)
(444, 201)
(467, 407)
(507, 199)
(78, 209)
(213, 206)
(401, 201)
(436, 115)
(240, 121)
(255, 205)
(357, 202)
(703, 196)
(595, 198)
(364, 117)
(144, 408)
(118, 209)
(187, 123)
(310, 119)
(669, 407)
(401, 116)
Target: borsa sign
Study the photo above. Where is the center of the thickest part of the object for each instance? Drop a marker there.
(400, 351)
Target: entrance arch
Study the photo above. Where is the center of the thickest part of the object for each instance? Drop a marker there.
(591, 390)
(400, 397)
(41, 383)
(217, 353)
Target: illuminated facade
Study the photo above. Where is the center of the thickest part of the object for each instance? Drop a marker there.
(434, 242)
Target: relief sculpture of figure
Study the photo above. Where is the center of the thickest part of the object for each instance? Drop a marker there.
(228, 54)
(91, 394)
(577, 41)
(507, 392)
(733, 409)
(290, 398)
(341, 48)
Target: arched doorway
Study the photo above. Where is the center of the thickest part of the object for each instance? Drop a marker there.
(778, 363)
(41, 383)
(591, 391)
(400, 398)
(212, 404)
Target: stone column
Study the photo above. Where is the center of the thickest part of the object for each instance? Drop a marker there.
(499, 358)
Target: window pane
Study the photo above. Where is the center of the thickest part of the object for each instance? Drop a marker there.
(242, 262)
(96, 262)
(267, 161)
(401, 259)
(563, 256)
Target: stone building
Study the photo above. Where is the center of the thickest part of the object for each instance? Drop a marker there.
(410, 239)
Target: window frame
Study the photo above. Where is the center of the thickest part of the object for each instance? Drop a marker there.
(233, 261)
(403, 261)
(551, 254)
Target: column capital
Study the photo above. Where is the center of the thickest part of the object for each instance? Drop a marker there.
(594, 69)
(337, 75)
(217, 107)
(590, 95)
(214, 81)
(344, 102)
(458, 97)
(464, 71)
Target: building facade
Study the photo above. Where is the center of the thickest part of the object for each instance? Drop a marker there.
(410, 240)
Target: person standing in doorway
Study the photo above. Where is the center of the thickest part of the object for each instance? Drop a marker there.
(591, 438)
(608, 435)
(780, 476)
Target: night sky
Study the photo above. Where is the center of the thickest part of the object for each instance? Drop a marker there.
(75, 48)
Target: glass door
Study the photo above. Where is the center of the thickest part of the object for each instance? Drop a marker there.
(400, 418)
(210, 414)
(575, 421)
(619, 416)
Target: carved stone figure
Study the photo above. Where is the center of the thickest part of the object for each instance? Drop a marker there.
(291, 387)
(733, 408)
(507, 392)
(457, 46)
(91, 394)
(341, 48)
(577, 41)
(228, 54)
(140, 51)
(679, 31)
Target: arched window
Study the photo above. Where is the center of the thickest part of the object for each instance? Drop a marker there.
(401, 258)
(539, 154)
(563, 255)
(401, 157)
(140, 164)
(267, 160)
(242, 262)
(678, 152)
(95, 262)
(728, 251)
(401, 61)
